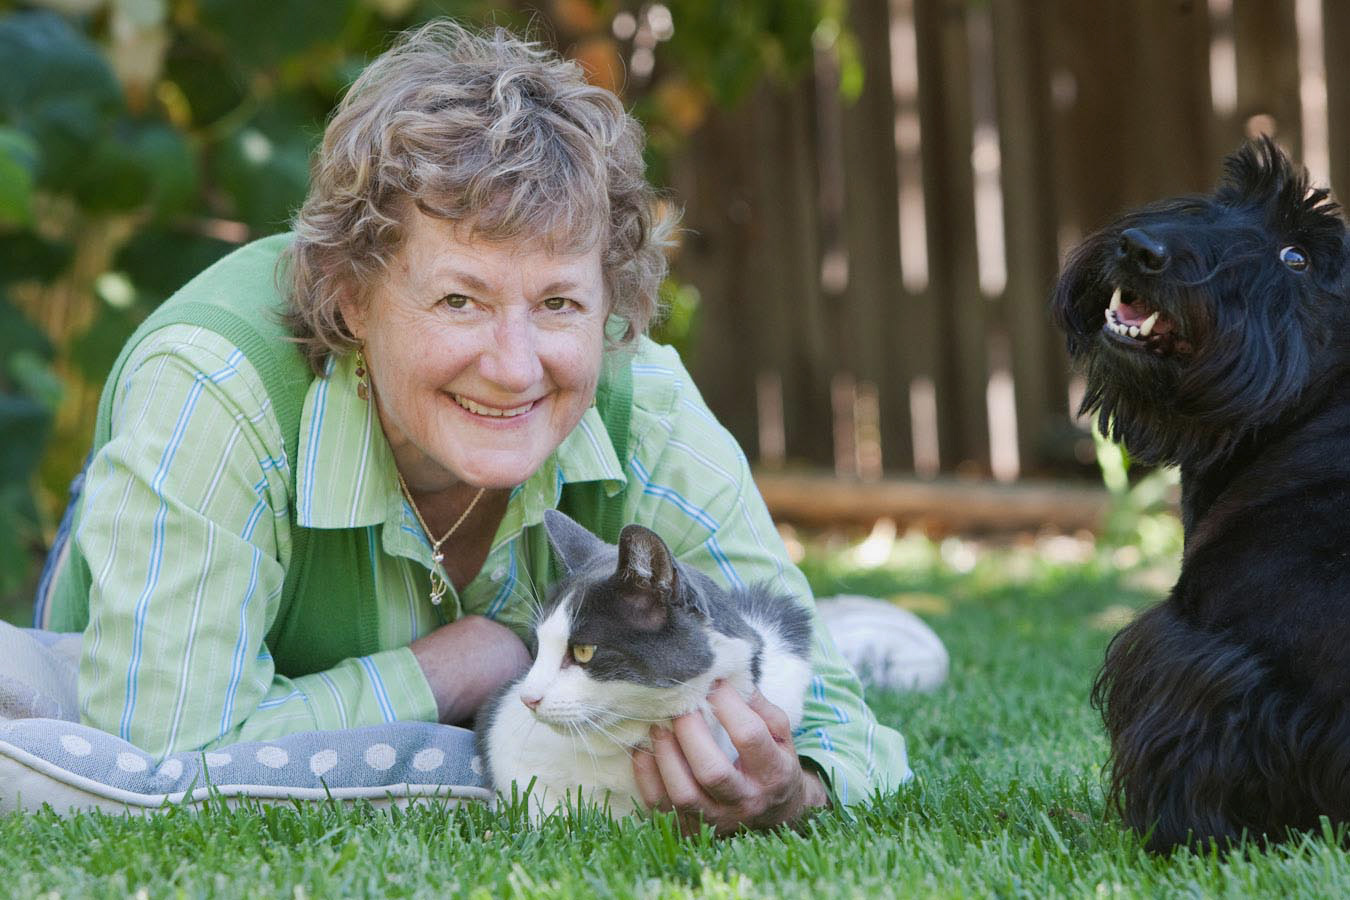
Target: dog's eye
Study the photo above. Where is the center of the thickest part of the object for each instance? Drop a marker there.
(1294, 258)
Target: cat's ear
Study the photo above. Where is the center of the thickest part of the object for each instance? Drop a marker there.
(645, 561)
(572, 544)
(647, 574)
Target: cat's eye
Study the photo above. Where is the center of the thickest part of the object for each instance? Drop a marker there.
(582, 653)
(1294, 258)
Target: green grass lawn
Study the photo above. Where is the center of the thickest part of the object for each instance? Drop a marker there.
(1007, 800)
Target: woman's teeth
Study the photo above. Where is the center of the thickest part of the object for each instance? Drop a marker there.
(480, 409)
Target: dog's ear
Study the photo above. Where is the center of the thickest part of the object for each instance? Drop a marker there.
(1260, 174)
(1258, 171)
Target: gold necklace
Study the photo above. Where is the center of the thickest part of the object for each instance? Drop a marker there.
(439, 580)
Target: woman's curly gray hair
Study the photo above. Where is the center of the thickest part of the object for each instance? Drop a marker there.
(486, 129)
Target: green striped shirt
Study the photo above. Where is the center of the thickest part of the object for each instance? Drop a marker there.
(186, 530)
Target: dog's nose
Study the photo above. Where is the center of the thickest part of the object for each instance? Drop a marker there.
(1148, 255)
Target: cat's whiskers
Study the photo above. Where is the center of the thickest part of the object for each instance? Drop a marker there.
(595, 762)
(599, 727)
(529, 599)
(583, 743)
(625, 717)
(523, 588)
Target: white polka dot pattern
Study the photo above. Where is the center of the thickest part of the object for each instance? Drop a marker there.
(273, 757)
(323, 762)
(427, 759)
(76, 745)
(171, 768)
(130, 762)
(217, 759)
(476, 765)
(380, 757)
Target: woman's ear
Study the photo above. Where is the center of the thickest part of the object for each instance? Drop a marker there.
(353, 309)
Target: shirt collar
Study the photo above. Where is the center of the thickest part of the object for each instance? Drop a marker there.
(345, 475)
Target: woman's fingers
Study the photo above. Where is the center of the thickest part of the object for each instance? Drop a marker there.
(651, 789)
(754, 729)
(681, 785)
(716, 774)
(777, 721)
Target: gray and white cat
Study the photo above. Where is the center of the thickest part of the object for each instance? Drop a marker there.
(632, 637)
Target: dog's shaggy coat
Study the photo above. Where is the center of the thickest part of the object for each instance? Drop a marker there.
(1215, 334)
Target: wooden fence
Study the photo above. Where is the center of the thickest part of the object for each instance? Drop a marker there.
(874, 273)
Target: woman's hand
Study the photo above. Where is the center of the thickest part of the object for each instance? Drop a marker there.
(466, 661)
(687, 772)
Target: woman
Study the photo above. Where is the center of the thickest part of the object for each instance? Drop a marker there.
(329, 518)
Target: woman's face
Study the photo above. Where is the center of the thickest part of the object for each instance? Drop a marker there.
(483, 356)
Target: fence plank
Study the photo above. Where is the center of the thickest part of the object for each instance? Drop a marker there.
(1267, 58)
(873, 327)
(1040, 378)
(945, 107)
(714, 180)
(1168, 101)
(801, 318)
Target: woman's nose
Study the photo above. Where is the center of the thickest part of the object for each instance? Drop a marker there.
(512, 361)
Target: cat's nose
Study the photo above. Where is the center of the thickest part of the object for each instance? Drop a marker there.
(531, 702)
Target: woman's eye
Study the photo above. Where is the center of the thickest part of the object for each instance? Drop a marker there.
(1294, 258)
(555, 304)
(455, 301)
(582, 653)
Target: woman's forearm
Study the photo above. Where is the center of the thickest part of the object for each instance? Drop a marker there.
(466, 662)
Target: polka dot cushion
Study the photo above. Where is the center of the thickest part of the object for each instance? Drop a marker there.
(46, 758)
(72, 766)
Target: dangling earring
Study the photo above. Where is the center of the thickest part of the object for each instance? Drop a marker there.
(362, 388)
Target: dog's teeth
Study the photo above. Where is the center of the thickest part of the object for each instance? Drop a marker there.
(1115, 300)
(1134, 331)
(1146, 327)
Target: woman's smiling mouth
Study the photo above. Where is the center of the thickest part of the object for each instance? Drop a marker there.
(494, 412)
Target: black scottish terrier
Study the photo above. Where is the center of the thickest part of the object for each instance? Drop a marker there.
(1215, 334)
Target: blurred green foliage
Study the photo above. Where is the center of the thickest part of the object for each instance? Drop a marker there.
(140, 140)
(1142, 514)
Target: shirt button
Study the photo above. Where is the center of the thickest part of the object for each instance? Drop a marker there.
(498, 574)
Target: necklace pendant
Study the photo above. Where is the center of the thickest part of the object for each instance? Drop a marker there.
(438, 557)
(438, 588)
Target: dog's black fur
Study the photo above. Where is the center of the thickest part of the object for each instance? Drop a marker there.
(1228, 705)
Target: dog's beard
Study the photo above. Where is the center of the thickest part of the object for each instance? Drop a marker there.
(1192, 412)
